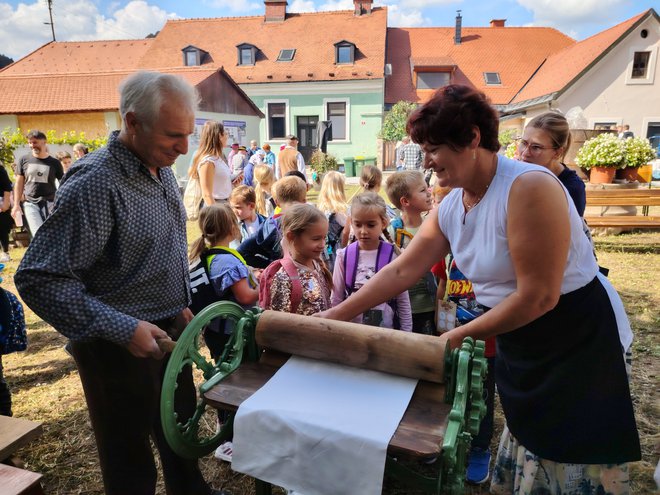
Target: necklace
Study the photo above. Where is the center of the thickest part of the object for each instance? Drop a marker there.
(469, 206)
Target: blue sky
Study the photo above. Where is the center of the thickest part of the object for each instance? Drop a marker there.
(22, 27)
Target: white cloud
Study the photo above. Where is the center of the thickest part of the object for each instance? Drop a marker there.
(337, 5)
(570, 16)
(301, 6)
(231, 5)
(74, 20)
(408, 17)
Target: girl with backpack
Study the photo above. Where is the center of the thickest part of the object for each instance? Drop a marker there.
(332, 202)
(300, 282)
(356, 264)
(219, 272)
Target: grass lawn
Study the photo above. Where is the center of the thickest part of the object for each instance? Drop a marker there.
(46, 388)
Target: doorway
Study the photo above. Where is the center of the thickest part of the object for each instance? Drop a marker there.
(308, 139)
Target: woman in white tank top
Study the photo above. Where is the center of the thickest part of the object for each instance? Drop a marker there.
(209, 164)
(516, 235)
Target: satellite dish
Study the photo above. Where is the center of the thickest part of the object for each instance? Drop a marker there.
(576, 119)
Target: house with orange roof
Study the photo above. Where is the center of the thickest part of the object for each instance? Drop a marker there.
(299, 68)
(73, 86)
(497, 60)
(609, 79)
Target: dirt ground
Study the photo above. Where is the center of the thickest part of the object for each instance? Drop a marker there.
(46, 388)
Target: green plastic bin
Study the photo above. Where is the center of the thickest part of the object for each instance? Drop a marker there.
(349, 167)
(359, 163)
(370, 161)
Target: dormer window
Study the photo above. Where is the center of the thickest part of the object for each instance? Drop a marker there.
(432, 80)
(344, 52)
(193, 56)
(286, 55)
(247, 54)
(492, 78)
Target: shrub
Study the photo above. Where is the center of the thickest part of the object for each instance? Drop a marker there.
(394, 124)
(604, 150)
(322, 162)
(507, 136)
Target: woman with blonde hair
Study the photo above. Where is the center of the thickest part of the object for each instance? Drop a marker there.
(264, 178)
(210, 166)
(332, 202)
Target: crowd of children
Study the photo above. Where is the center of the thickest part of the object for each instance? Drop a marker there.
(268, 246)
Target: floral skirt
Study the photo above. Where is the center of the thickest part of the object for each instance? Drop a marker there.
(518, 471)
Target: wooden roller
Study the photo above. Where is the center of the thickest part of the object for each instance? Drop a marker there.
(391, 351)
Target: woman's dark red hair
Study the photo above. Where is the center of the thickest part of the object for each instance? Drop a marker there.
(449, 116)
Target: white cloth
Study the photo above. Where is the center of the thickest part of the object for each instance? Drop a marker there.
(622, 322)
(221, 177)
(479, 240)
(320, 428)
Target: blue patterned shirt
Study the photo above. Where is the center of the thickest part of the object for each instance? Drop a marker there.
(411, 156)
(113, 252)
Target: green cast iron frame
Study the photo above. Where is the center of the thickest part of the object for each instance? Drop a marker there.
(465, 370)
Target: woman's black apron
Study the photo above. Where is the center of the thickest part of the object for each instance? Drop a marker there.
(563, 385)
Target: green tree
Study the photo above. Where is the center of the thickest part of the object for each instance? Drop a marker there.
(394, 124)
(5, 60)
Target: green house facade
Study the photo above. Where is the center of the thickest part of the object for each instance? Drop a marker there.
(355, 109)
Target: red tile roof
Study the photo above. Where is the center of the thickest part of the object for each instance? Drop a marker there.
(313, 35)
(71, 92)
(74, 57)
(564, 66)
(514, 52)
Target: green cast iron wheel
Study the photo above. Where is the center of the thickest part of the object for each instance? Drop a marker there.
(185, 438)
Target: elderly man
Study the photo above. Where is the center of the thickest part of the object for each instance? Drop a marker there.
(36, 173)
(109, 270)
(289, 158)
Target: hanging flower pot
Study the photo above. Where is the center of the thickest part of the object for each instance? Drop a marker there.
(602, 175)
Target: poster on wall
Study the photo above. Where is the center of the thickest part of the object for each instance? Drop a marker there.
(193, 141)
(237, 130)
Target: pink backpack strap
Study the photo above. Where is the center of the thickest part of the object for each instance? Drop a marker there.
(296, 287)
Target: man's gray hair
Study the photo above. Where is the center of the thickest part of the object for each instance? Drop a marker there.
(144, 93)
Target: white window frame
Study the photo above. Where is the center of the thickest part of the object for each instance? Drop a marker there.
(650, 72)
(646, 122)
(601, 120)
(287, 130)
(347, 101)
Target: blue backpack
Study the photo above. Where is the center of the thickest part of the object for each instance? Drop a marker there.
(383, 257)
(13, 336)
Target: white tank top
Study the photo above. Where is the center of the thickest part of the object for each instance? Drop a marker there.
(479, 243)
(221, 177)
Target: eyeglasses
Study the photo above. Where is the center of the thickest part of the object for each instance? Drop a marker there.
(534, 149)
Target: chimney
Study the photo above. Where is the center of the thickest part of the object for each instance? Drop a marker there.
(457, 35)
(497, 23)
(275, 10)
(362, 7)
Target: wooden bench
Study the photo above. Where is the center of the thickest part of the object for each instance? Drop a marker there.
(15, 481)
(15, 433)
(605, 198)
